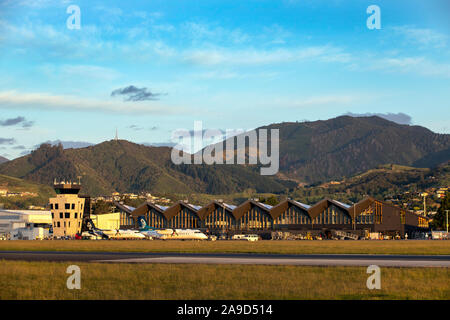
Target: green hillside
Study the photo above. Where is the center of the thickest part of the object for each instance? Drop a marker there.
(319, 151)
(310, 153)
(383, 182)
(124, 166)
(44, 192)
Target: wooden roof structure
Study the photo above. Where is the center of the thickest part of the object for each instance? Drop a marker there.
(239, 211)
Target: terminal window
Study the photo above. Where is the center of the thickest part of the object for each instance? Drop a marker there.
(67, 215)
(67, 205)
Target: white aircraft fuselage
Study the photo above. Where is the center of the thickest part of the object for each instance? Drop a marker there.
(123, 234)
(176, 234)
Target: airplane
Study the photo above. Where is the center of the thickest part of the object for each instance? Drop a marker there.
(170, 234)
(94, 232)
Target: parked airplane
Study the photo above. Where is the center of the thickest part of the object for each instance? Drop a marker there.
(111, 234)
(170, 234)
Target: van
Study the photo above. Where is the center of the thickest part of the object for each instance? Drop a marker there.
(251, 237)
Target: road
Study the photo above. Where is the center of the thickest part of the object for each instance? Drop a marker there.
(233, 258)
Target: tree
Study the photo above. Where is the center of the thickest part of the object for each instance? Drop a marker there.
(133, 202)
(440, 219)
(101, 207)
(272, 200)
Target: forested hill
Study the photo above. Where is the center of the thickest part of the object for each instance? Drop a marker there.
(124, 166)
(310, 152)
(332, 149)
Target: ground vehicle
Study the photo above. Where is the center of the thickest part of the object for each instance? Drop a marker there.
(248, 237)
(251, 237)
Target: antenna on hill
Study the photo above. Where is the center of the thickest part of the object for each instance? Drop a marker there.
(117, 135)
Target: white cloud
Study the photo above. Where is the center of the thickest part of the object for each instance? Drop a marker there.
(36, 4)
(90, 71)
(230, 74)
(200, 32)
(422, 36)
(276, 34)
(74, 71)
(222, 56)
(315, 101)
(20, 100)
(417, 65)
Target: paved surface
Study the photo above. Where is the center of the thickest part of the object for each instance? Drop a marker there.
(237, 258)
(298, 261)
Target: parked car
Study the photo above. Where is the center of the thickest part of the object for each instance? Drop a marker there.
(248, 237)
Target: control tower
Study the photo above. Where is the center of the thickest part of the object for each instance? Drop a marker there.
(67, 209)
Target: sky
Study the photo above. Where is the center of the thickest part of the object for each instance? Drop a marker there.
(148, 68)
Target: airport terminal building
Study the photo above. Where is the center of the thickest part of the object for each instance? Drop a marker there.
(325, 217)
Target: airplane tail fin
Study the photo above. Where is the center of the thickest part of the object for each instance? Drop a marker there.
(88, 225)
(142, 223)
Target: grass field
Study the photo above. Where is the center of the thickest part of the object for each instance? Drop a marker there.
(410, 247)
(46, 280)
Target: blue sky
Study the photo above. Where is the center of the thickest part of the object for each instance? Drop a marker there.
(231, 64)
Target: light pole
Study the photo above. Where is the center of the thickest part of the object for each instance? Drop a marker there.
(424, 195)
(446, 211)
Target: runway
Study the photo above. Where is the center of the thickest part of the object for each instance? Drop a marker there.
(230, 258)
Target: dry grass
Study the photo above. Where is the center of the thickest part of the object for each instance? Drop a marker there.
(46, 280)
(427, 247)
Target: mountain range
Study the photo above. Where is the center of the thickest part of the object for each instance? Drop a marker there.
(2, 160)
(341, 147)
(310, 153)
(128, 167)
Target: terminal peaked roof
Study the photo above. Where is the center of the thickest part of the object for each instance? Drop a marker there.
(238, 211)
(124, 207)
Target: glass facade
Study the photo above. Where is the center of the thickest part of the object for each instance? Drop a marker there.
(185, 219)
(333, 215)
(220, 218)
(155, 219)
(258, 218)
(255, 219)
(293, 215)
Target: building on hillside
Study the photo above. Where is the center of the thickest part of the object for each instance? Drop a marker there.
(326, 217)
(441, 192)
(68, 209)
